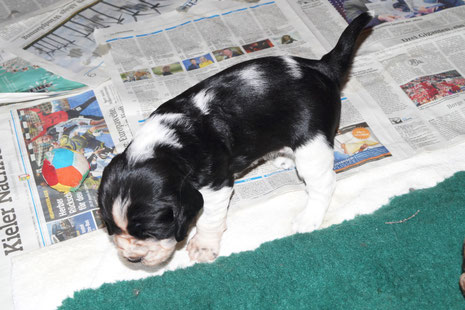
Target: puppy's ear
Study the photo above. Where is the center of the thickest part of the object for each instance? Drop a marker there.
(191, 201)
(102, 214)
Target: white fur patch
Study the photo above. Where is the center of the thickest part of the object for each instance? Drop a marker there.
(119, 211)
(215, 207)
(253, 77)
(293, 67)
(205, 245)
(154, 132)
(314, 162)
(202, 99)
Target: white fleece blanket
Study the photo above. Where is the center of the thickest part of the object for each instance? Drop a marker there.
(43, 278)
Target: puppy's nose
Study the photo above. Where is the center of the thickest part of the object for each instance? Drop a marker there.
(134, 259)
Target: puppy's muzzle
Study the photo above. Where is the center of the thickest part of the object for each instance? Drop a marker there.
(149, 252)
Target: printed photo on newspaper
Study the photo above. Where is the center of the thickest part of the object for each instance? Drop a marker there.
(430, 88)
(74, 124)
(19, 75)
(356, 145)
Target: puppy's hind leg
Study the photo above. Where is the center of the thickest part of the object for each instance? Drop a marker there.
(314, 162)
(205, 245)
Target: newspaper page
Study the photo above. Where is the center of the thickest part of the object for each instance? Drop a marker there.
(61, 40)
(395, 22)
(263, 181)
(417, 90)
(151, 62)
(33, 214)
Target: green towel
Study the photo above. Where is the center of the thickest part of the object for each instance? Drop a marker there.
(406, 255)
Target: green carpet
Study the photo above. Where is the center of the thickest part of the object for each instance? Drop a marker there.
(360, 264)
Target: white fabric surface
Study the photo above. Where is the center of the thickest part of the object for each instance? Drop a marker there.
(42, 279)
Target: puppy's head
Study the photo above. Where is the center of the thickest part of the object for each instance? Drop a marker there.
(148, 206)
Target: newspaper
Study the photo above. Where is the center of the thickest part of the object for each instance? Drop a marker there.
(34, 215)
(151, 62)
(422, 100)
(88, 123)
(405, 95)
(60, 40)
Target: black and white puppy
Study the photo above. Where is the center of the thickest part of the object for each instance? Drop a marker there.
(186, 154)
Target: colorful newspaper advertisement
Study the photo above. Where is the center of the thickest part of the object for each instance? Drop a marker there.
(355, 143)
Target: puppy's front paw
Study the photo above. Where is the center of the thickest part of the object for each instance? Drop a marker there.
(307, 222)
(203, 250)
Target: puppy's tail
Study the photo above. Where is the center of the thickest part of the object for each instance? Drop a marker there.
(340, 58)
